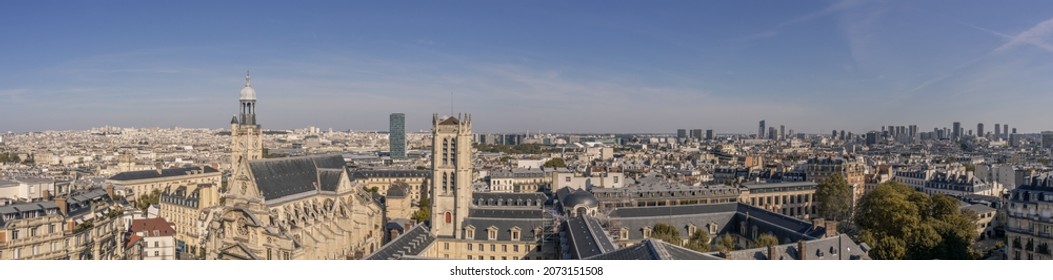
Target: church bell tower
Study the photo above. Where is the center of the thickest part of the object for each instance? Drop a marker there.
(246, 136)
(451, 182)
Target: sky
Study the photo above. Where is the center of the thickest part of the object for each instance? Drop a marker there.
(529, 66)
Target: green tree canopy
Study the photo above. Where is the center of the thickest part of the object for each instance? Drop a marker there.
(726, 242)
(902, 223)
(555, 163)
(765, 240)
(423, 212)
(699, 241)
(666, 233)
(834, 197)
(149, 199)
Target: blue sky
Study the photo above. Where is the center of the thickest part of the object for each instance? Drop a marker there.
(567, 66)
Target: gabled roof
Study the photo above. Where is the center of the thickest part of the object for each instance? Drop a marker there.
(280, 177)
(449, 121)
(654, 249)
(171, 172)
(152, 227)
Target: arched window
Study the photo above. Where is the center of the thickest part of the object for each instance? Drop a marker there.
(449, 218)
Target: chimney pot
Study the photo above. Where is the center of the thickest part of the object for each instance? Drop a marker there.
(771, 253)
(802, 250)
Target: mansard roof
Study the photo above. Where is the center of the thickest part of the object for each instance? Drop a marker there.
(170, 172)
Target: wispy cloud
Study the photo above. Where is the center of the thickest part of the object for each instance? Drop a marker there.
(834, 8)
(1035, 36)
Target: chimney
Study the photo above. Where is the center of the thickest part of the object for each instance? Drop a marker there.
(109, 191)
(817, 223)
(802, 252)
(62, 206)
(46, 194)
(771, 253)
(831, 228)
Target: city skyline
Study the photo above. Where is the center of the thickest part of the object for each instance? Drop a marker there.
(628, 68)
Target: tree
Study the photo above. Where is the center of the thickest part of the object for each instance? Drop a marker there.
(699, 241)
(555, 163)
(666, 233)
(765, 240)
(149, 199)
(902, 223)
(424, 212)
(834, 197)
(726, 242)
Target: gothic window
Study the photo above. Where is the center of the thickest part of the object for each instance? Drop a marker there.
(445, 187)
(449, 217)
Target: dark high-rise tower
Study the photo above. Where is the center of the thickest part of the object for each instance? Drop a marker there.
(998, 132)
(980, 130)
(760, 130)
(957, 132)
(397, 135)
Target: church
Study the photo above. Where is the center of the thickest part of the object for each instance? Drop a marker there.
(473, 225)
(292, 208)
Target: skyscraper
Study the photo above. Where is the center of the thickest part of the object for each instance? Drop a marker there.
(998, 132)
(782, 132)
(681, 135)
(1005, 131)
(1047, 139)
(709, 134)
(696, 134)
(980, 130)
(760, 130)
(957, 131)
(397, 135)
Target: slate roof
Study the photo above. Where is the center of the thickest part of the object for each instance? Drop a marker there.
(839, 247)
(653, 249)
(587, 238)
(366, 174)
(491, 199)
(170, 172)
(504, 220)
(329, 179)
(410, 243)
(280, 177)
(396, 191)
(725, 216)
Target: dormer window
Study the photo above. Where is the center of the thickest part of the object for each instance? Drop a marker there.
(623, 234)
(491, 233)
(515, 233)
(647, 232)
(469, 233)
